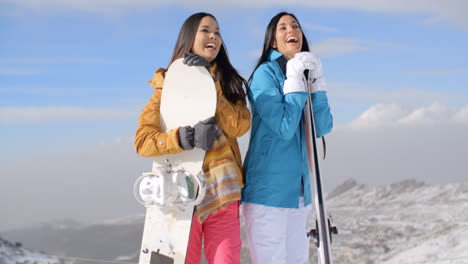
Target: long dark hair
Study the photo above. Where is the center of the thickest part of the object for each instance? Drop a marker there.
(230, 80)
(270, 38)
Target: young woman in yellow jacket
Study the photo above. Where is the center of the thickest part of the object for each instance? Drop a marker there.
(200, 44)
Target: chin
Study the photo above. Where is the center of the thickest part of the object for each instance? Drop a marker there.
(294, 53)
(210, 59)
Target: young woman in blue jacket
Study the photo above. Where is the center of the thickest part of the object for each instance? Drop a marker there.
(276, 197)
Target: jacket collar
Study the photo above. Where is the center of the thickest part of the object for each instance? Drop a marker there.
(282, 61)
(274, 55)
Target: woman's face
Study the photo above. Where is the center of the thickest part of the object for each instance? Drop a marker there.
(207, 41)
(288, 37)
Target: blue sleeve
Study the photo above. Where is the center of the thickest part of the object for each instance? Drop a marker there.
(322, 115)
(281, 114)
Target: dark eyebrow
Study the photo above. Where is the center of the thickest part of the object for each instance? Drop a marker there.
(206, 26)
(284, 23)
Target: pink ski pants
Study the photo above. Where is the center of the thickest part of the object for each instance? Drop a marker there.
(221, 237)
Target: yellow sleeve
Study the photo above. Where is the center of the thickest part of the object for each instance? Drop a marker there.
(233, 119)
(150, 141)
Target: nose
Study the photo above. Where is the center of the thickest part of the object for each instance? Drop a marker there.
(212, 36)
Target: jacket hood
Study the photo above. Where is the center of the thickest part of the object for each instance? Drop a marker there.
(158, 78)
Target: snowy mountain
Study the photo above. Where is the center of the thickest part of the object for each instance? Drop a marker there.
(15, 254)
(405, 222)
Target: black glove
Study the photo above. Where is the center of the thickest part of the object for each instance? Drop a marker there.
(205, 132)
(192, 59)
(186, 137)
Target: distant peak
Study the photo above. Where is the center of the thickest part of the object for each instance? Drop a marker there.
(342, 188)
(406, 184)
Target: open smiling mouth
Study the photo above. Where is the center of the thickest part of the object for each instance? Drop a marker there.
(292, 40)
(210, 46)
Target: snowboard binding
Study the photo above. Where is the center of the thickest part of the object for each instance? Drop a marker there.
(166, 187)
(314, 232)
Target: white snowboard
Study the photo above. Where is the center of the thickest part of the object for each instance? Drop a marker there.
(188, 96)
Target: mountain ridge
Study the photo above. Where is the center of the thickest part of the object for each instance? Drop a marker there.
(407, 221)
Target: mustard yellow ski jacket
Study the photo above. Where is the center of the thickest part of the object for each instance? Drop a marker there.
(150, 141)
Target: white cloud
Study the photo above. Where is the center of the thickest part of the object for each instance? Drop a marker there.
(337, 46)
(15, 115)
(431, 115)
(330, 48)
(451, 11)
(433, 154)
(461, 116)
(378, 92)
(58, 60)
(437, 72)
(10, 65)
(397, 116)
(255, 53)
(315, 27)
(380, 115)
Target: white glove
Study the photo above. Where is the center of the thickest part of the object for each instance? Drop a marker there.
(295, 71)
(319, 84)
(301, 62)
(318, 81)
(316, 71)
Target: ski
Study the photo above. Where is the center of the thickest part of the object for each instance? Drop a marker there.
(324, 224)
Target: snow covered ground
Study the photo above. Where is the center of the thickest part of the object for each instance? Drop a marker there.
(15, 254)
(402, 223)
(406, 222)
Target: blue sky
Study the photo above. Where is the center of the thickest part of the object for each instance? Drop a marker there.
(73, 76)
(61, 56)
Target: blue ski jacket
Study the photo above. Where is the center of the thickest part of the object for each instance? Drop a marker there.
(276, 166)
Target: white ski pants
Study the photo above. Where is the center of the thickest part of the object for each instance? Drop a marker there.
(277, 235)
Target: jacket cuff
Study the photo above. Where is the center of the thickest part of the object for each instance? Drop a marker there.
(171, 144)
(293, 85)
